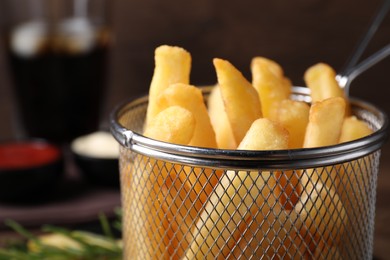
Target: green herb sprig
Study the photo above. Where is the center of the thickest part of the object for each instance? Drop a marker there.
(64, 244)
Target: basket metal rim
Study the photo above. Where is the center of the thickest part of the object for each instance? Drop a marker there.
(244, 159)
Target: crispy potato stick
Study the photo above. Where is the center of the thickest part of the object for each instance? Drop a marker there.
(177, 203)
(190, 98)
(173, 125)
(325, 122)
(237, 192)
(220, 121)
(146, 223)
(324, 129)
(324, 215)
(355, 176)
(271, 84)
(321, 79)
(294, 116)
(353, 129)
(192, 185)
(172, 65)
(328, 253)
(241, 100)
(289, 188)
(163, 207)
(277, 237)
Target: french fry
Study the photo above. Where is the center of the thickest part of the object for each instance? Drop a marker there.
(321, 79)
(241, 100)
(142, 207)
(172, 65)
(195, 182)
(280, 228)
(323, 214)
(324, 252)
(355, 177)
(353, 129)
(229, 205)
(319, 205)
(289, 187)
(173, 125)
(294, 116)
(325, 122)
(190, 98)
(324, 129)
(265, 135)
(220, 121)
(274, 91)
(271, 84)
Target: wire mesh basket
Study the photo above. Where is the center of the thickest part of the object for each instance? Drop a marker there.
(182, 202)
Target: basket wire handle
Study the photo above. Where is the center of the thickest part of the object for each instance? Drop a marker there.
(352, 69)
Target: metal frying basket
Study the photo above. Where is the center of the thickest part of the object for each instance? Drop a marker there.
(182, 202)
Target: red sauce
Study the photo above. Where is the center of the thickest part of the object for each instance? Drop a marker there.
(23, 155)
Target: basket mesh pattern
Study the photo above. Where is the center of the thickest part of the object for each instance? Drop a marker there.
(177, 211)
(171, 211)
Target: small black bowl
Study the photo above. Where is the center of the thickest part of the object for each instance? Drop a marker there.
(29, 170)
(99, 170)
(96, 164)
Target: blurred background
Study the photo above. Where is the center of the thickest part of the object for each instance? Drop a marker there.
(296, 34)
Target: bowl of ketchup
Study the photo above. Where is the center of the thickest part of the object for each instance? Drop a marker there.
(29, 169)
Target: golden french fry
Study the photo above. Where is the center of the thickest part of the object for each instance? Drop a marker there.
(181, 205)
(163, 209)
(325, 122)
(354, 176)
(188, 187)
(323, 214)
(324, 128)
(353, 129)
(321, 79)
(265, 134)
(172, 65)
(190, 98)
(146, 222)
(294, 116)
(289, 188)
(271, 84)
(229, 204)
(173, 125)
(324, 252)
(241, 100)
(220, 121)
(277, 237)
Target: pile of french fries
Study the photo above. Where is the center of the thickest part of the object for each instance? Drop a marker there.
(223, 209)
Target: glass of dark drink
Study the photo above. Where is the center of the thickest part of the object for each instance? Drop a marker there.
(58, 54)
